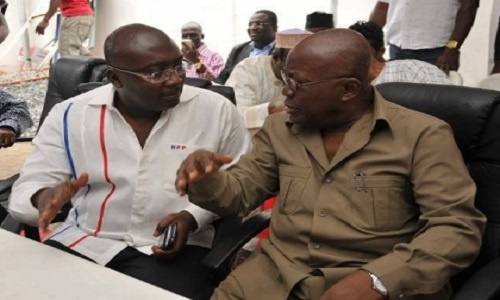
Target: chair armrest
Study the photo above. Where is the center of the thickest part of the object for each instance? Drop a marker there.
(5, 187)
(218, 258)
(483, 285)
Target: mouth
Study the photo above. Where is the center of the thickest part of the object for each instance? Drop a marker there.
(292, 110)
(172, 93)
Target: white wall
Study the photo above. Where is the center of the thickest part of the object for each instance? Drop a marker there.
(225, 22)
(9, 60)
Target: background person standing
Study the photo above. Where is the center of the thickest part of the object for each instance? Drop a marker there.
(78, 19)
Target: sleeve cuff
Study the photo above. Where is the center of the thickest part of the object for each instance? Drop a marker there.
(394, 274)
(202, 217)
(12, 124)
(22, 210)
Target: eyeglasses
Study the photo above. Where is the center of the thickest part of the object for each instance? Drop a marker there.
(156, 77)
(258, 24)
(294, 85)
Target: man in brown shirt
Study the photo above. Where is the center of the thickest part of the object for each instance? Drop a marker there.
(374, 200)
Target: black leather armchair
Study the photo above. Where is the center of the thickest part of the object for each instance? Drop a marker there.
(474, 115)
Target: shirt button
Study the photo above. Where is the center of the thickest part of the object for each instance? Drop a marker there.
(328, 179)
(316, 246)
(322, 213)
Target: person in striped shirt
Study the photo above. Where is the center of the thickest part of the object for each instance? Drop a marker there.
(201, 61)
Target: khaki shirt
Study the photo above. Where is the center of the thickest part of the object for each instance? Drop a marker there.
(396, 200)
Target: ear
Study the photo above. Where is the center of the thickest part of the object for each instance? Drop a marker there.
(352, 86)
(114, 79)
(202, 36)
(380, 54)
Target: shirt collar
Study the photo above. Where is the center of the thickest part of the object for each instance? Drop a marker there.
(267, 48)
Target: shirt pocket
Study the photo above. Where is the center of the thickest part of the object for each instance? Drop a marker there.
(293, 180)
(381, 203)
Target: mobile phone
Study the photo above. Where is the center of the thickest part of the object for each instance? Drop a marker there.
(167, 239)
(187, 44)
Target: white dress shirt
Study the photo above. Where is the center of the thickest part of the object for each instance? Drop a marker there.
(255, 86)
(130, 188)
(420, 24)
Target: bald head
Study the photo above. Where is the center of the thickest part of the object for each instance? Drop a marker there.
(335, 52)
(135, 39)
(192, 26)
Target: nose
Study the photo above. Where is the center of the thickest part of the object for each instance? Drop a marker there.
(287, 91)
(174, 79)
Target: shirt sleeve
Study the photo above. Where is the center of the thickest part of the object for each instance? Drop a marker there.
(244, 186)
(45, 167)
(451, 227)
(14, 113)
(245, 84)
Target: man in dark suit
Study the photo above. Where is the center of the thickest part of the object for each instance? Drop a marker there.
(262, 29)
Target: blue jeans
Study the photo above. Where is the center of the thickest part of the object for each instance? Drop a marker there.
(427, 55)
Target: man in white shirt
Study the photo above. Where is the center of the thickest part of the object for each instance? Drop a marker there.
(428, 30)
(113, 152)
(257, 81)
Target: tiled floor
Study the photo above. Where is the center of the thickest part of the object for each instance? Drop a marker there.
(12, 159)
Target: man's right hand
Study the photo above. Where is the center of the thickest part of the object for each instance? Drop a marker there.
(7, 137)
(49, 201)
(198, 165)
(40, 28)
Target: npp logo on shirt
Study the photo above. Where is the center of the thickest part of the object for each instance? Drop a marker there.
(177, 147)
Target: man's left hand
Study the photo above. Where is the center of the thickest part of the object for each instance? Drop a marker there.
(7, 137)
(185, 223)
(449, 60)
(355, 286)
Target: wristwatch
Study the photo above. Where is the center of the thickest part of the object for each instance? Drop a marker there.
(452, 44)
(198, 65)
(377, 285)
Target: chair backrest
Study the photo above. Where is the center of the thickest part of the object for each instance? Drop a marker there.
(474, 115)
(224, 90)
(66, 74)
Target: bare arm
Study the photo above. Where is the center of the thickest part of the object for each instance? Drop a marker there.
(379, 13)
(4, 28)
(466, 14)
(496, 67)
(54, 5)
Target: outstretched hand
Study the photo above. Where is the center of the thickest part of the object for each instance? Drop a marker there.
(198, 165)
(49, 201)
